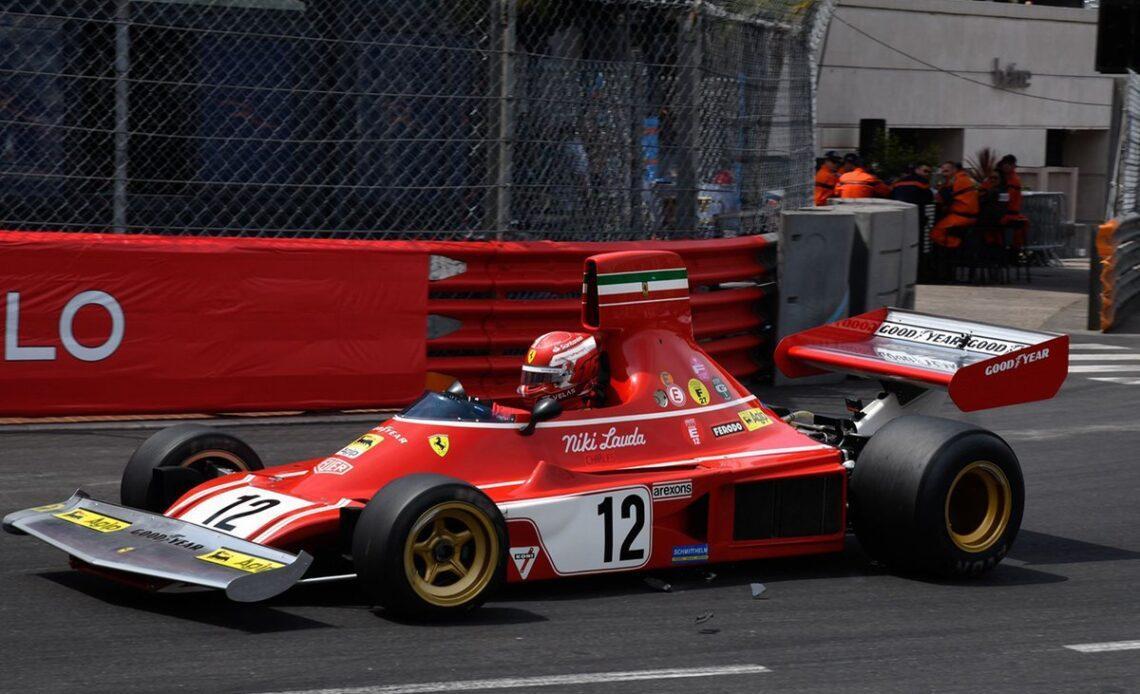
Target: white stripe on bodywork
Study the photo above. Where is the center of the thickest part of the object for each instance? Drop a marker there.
(581, 422)
(760, 453)
(265, 535)
(637, 288)
(646, 301)
(173, 512)
(495, 485)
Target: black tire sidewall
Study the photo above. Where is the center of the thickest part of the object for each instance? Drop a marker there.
(168, 448)
(937, 551)
(382, 530)
(899, 487)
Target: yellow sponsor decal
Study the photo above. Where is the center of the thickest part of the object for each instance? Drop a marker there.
(49, 507)
(698, 390)
(440, 443)
(93, 521)
(361, 445)
(530, 354)
(239, 561)
(754, 418)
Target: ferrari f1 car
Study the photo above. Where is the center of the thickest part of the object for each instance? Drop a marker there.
(437, 507)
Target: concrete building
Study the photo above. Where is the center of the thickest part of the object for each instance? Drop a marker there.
(961, 75)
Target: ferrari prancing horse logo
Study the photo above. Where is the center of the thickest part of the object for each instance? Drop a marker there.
(440, 443)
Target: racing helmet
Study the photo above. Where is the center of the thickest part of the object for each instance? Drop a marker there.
(561, 365)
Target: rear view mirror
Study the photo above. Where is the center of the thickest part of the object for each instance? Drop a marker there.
(545, 409)
(456, 389)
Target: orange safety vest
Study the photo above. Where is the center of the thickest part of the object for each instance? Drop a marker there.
(1013, 187)
(965, 202)
(1013, 217)
(860, 184)
(963, 212)
(825, 180)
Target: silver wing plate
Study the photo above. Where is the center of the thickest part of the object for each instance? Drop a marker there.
(148, 544)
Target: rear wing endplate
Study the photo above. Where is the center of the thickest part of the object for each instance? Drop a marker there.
(981, 365)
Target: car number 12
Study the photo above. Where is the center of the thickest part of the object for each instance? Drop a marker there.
(631, 506)
(585, 533)
(240, 512)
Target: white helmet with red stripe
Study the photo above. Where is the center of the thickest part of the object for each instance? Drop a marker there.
(561, 365)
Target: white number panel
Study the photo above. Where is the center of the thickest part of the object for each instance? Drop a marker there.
(239, 512)
(591, 532)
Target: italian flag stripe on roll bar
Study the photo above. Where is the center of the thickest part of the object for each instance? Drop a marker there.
(644, 283)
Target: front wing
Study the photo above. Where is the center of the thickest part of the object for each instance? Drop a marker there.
(137, 542)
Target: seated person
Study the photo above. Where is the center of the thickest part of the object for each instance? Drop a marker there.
(562, 365)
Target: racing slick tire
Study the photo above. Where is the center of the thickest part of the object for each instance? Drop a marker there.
(430, 547)
(188, 455)
(938, 496)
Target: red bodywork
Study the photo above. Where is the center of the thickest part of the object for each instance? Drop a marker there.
(682, 465)
(652, 479)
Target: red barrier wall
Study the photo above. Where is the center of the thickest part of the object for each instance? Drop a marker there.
(207, 325)
(110, 324)
(509, 293)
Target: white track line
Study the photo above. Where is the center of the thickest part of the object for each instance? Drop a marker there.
(1091, 346)
(547, 681)
(1130, 356)
(1105, 647)
(1122, 380)
(1103, 369)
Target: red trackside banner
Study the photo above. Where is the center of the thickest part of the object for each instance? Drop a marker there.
(98, 323)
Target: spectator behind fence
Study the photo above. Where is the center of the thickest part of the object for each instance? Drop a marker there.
(1009, 187)
(826, 178)
(958, 206)
(859, 183)
(914, 187)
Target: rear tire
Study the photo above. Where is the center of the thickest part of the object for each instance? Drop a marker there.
(191, 454)
(430, 547)
(938, 496)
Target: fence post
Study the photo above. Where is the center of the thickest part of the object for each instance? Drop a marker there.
(508, 14)
(122, 115)
(687, 117)
(1093, 322)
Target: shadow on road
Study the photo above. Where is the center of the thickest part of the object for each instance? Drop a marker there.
(484, 616)
(1042, 548)
(211, 608)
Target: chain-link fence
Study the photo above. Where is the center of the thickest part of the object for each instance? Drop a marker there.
(1125, 191)
(467, 119)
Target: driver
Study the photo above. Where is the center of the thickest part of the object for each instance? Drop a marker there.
(564, 366)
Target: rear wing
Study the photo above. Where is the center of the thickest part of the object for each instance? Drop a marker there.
(981, 365)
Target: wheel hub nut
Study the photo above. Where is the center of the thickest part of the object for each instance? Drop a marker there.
(443, 551)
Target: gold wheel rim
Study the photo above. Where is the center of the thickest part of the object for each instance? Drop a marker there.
(978, 506)
(216, 454)
(451, 553)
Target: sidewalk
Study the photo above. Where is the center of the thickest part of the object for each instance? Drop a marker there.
(1057, 300)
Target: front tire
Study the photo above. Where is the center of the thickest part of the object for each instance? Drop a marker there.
(430, 547)
(178, 458)
(937, 495)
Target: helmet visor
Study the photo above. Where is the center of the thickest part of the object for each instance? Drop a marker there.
(539, 375)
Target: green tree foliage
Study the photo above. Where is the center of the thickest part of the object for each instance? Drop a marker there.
(893, 153)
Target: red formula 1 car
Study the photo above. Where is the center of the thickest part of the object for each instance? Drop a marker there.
(446, 501)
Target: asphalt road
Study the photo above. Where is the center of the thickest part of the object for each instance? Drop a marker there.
(834, 623)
